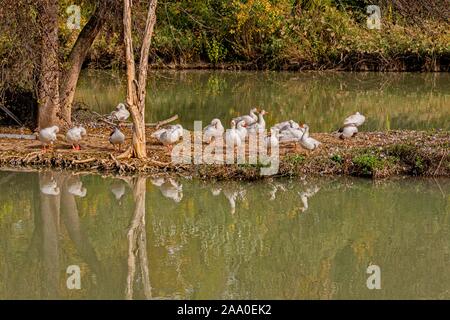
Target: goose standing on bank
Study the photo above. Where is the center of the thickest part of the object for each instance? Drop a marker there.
(48, 136)
(213, 130)
(249, 119)
(117, 139)
(74, 136)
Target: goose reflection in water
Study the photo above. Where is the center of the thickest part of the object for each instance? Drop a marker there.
(169, 188)
(118, 190)
(57, 207)
(276, 186)
(233, 193)
(305, 195)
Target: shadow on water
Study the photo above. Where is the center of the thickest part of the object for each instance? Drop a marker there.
(171, 238)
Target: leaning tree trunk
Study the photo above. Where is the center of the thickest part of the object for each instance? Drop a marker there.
(77, 57)
(49, 68)
(136, 88)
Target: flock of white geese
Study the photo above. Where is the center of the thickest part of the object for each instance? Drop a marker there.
(241, 127)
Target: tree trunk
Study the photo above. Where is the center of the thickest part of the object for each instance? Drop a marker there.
(49, 69)
(136, 88)
(77, 57)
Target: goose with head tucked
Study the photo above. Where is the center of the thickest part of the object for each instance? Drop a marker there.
(283, 126)
(121, 113)
(169, 136)
(272, 141)
(347, 131)
(117, 139)
(232, 137)
(213, 130)
(291, 133)
(48, 136)
(241, 128)
(248, 119)
(74, 136)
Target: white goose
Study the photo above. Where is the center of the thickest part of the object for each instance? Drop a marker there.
(121, 113)
(290, 134)
(261, 124)
(170, 135)
(356, 119)
(283, 126)
(347, 131)
(305, 140)
(48, 136)
(242, 130)
(249, 119)
(272, 141)
(232, 136)
(74, 136)
(117, 138)
(213, 130)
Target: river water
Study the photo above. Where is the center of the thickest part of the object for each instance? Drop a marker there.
(172, 238)
(323, 100)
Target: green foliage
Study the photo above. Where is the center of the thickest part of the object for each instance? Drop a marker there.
(295, 159)
(215, 50)
(337, 158)
(367, 164)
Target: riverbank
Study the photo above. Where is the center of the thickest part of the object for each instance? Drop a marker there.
(370, 154)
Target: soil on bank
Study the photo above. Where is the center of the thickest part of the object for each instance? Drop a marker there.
(369, 154)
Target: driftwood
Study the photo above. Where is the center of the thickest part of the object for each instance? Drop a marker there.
(156, 125)
(11, 115)
(18, 136)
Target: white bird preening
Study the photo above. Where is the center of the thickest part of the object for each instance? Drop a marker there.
(356, 119)
(48, 136)
(347, 131)
(350, 128)
(117, 139)
(74, 136)
(248, 118)
(121, 113)
(213, 130)
(305, 140)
